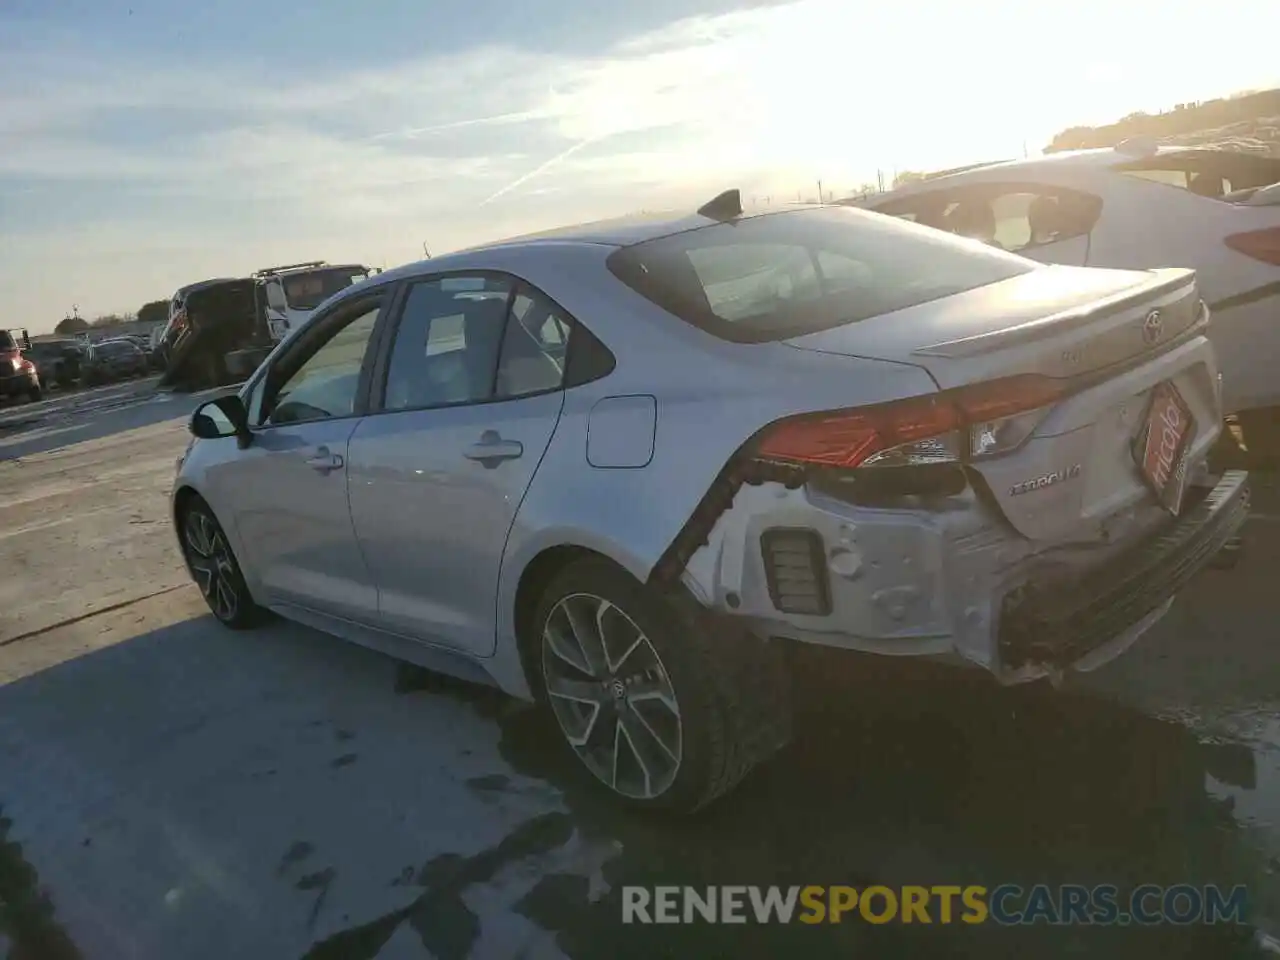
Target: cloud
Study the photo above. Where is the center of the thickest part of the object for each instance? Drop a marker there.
(234, 162)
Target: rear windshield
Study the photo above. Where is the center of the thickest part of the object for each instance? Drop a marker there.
(787, 274)
(6, 341)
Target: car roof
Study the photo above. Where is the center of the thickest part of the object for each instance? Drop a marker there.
(192, 287)
(1099, 158)
(615, 232)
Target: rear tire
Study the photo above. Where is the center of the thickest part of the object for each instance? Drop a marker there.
(214, 568)
(35, 393)
(667, 710)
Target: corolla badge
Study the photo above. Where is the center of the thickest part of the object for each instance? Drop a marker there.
(1152, 327)
(1048, 480)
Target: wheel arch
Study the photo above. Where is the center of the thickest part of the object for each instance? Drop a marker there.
(534, 578)
(182, 498)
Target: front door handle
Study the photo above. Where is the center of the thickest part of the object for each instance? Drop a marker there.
(492, 449)
(324, 461)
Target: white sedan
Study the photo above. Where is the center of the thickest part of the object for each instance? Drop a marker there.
(626, 466)
(1137, 206)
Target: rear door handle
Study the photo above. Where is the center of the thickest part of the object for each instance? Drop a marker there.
(324, 461)
(492, 449)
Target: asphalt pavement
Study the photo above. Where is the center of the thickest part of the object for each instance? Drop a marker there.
(169, 788)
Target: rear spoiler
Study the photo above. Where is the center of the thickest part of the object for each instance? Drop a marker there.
(1164, 281)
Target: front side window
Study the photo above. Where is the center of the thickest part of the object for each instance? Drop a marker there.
(1017, 219)
(766, 277)
(327, 382)
(1008, 217)
(929, 209)
(447, 342)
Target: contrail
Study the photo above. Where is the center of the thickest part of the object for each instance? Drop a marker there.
(542, 168)
(457, 125)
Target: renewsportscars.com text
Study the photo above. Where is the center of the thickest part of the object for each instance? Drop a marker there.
(1007, 904)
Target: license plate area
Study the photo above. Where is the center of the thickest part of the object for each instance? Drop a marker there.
(1161, 445)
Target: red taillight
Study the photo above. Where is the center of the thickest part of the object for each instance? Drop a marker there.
(1261, 245)
(847, 438)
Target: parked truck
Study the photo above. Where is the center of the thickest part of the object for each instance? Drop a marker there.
(292, 292)
(220, 330)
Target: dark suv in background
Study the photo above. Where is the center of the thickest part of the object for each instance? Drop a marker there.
(116, 359)
(57, 362)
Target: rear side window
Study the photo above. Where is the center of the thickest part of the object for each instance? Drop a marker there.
(6, 341)
(783, 275)
(535, 346)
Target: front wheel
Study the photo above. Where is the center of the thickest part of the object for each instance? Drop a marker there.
(214, 568)
(664, 711)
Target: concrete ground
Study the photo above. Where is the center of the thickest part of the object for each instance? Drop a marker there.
(172, 789)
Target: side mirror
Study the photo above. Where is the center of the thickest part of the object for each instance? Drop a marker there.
(222, 417)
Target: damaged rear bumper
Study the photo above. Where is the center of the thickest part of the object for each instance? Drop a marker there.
(1058, 623)
(950, 580)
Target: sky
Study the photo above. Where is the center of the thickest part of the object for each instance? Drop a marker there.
(146, 144)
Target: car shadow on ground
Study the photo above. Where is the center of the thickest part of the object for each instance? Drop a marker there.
(241, 771)
(921, 778)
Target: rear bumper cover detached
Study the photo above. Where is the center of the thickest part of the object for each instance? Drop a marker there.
(1060, 623)
(951, 582)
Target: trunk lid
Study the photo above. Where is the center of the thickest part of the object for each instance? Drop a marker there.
(1058, 321)
(1111, 337)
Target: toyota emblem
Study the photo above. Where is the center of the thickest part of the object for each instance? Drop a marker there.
(1151, 327)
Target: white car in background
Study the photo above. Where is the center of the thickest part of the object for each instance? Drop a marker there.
(1138, 206)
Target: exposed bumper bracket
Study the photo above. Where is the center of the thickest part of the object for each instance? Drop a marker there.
(1059, 622)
